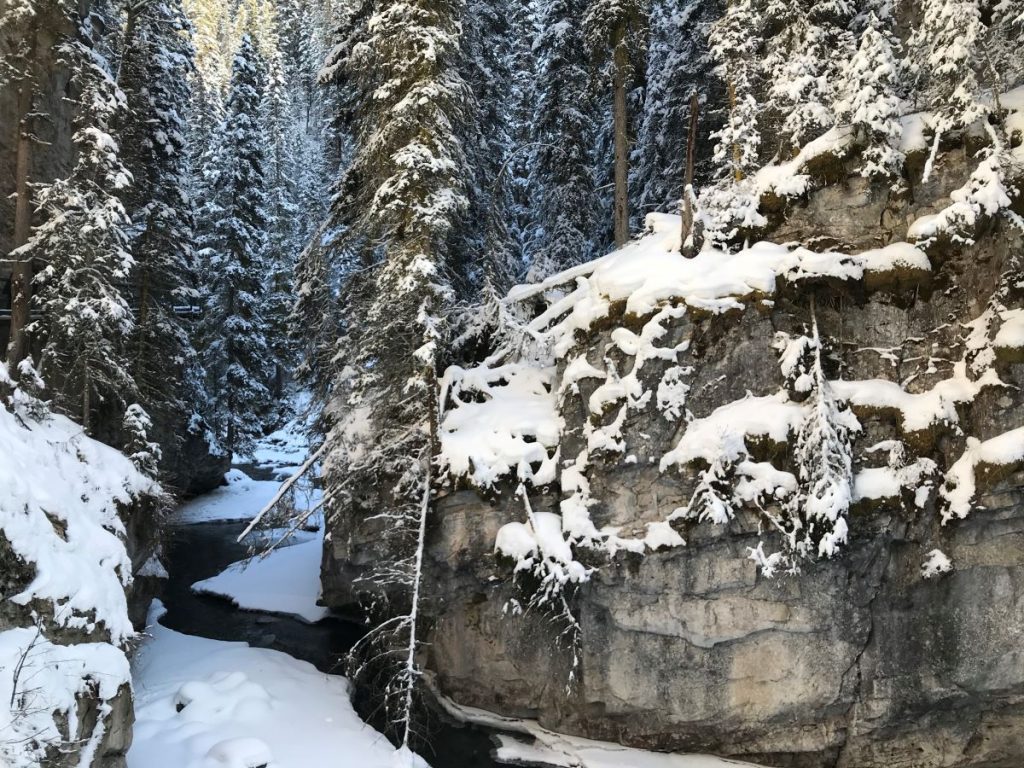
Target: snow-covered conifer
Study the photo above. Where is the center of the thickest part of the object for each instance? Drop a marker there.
(403, 196)
(563, 132)
(84, 243)
(156, 65)
(945, 47)
(679, 63)
(815, 516)
(869, 98)
(233, 252)
(735, 39)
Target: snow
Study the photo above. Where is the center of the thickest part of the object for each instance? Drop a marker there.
(284, 449)
(960, 488)
(515, 427)
(919, 411)
(525, 742)
(237, 501)
(153, 568)
(59, 515)
(286, 580)
(242, 707)
(722, 434)
(1011, 332)
(49, 680)
(649, 272)
(59, 511)
(935, 563)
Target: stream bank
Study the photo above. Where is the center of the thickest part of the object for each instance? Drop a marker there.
(199, 551)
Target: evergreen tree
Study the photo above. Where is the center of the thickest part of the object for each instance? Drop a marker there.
(283, 218)
(156, 66)
(1003, 63)
(616, 31)
(405, 193)
(734, 41)
(487, 43)
(679, 64)
(946, 47)
(815, 519)
(803, 59)
(237, 357)
(870, 102)
(561, 180)
(85, 318)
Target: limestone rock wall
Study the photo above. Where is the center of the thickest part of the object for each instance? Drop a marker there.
(856, 662)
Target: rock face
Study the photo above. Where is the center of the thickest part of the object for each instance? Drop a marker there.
(855, 662)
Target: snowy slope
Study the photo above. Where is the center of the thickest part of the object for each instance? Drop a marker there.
(59, 515)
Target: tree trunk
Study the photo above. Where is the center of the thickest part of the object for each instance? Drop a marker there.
(621, 130)
(690, 242)
(737, 169)
(21, 270)
(86, 400)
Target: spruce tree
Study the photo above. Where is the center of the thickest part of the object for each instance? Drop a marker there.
(735, 40)
(561, 180)
(815, 519)
(1003, 63)
(870, 102)
(404, 195)
(679, 64)
(237, 358)
(803, 59)
(946, 49)
(156, 66)
(86, 319)
(283, 218)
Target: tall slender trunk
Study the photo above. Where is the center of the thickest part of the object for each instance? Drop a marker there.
(86, 400)
(689, 241)
(737, 169)
(21, 271)
(621, 130)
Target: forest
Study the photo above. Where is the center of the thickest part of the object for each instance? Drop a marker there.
(534, 382)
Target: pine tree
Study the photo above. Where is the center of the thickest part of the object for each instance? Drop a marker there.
(816, 514)
(946, 46)
(86, 320)
(679, 64)
(561, 180)
(156, 66)
(237, 358)
(405, 193)
(870, 102)
(735, 40)
(616, 31)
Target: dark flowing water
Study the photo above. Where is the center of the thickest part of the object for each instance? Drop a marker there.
(196, 552)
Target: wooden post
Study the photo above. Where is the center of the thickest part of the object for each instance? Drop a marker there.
(690, 236)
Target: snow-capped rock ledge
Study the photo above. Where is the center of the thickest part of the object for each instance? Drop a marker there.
(64, 689)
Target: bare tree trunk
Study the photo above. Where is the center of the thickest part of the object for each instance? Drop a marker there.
(690, 236)
(621, 131)
(21, 272)
(736, 156)
(86, 400)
